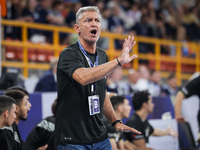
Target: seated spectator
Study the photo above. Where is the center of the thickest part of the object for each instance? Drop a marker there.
(50, 13)
(7, 111)
(113, 81)
(144, 76)
(43, 133)
(130, 86)
(144, 28)
(134, 12)
(170, 88)
(154, 84)
(143, 105)
(10, 77)
(47, 82)
(122, 109)
(114, 19)
(14, 12)
(71, 17)
(31, 12)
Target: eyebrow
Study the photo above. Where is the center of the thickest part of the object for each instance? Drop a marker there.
(91, 18)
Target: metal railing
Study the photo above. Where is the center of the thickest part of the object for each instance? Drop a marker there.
(111, 52)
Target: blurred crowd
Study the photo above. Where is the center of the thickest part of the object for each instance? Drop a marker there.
(140, 80)
(152, 18)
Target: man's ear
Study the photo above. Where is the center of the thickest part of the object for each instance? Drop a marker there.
(6, 113)
(144, 105)
(119, 108)
(17, 109)
(76, 28)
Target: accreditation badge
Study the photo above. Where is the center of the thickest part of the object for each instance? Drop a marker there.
(93, 102)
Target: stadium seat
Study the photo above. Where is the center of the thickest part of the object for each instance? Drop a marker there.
(10, 51)
(32, 54)
(19, 51)
(49, 55)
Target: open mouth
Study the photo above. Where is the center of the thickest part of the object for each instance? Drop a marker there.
(93, 31)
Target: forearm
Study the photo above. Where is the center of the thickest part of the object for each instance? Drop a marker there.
(130, 146)
(178, 103)
(85, 76)
(108, 110)
(158, 132)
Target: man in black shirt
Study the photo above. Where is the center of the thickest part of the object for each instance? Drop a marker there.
(7, 111)
(43, 133)
(122, 109)
(143, 105)
(191, 88)
(81, 80)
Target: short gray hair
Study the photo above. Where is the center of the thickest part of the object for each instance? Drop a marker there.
(85, 9)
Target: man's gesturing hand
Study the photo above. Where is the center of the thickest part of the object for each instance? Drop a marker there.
(124, 57)
(123, 128)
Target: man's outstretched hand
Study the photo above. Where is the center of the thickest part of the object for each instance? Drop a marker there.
(124, 57)
(123, 128)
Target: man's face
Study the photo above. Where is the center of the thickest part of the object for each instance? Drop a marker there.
(11, 116)
(150, 105)
(126, 109)
(24, 108)
(173, 82)
(89, 27)
(156, 77)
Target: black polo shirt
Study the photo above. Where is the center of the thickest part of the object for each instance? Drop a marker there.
(192, 88)
(143, 126)
(73, 122)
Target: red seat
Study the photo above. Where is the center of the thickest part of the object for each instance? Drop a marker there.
(32, 54)
(151, 64)
(41, 55)
(163, 65)
(49, 55)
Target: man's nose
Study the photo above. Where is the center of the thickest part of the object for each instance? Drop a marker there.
(94, 23)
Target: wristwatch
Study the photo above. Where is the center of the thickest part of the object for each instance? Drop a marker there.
(115, 122)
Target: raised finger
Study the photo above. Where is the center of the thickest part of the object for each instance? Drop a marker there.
(135, 131)
(132, 39)
(129, 40)
(132, 44)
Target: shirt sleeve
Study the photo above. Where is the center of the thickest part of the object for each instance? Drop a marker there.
(133, 136)
(40, 135)
(192, 88)
(69, 61)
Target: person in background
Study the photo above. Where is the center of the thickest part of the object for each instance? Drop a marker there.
(13, 139)
(48, 82)
(7, 111)
(113, 81)
(22, 90)
(122, 109)
(144, 76)
(43, 133)
(170, 88)
(130, 86)
(191, 88)
(154, 83)
(81, 73)
(143, 105)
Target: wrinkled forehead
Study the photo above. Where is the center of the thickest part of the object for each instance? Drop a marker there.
(89, 14)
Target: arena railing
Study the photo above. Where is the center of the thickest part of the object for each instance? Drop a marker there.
(112, 53)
